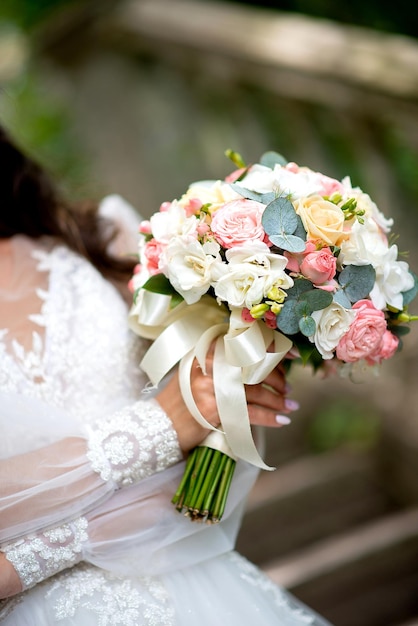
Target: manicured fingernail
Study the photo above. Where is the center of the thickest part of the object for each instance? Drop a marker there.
(288, 387)
(291, 405)
(283, 420)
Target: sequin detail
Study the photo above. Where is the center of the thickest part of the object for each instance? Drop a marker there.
(255, 577)
(133, 444)
(115, 601)
(42, 555)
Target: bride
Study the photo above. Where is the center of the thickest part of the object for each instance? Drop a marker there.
(88, 459)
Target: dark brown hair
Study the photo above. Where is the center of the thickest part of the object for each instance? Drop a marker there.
(31, 205)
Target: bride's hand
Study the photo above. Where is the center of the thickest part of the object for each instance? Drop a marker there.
(267, 403)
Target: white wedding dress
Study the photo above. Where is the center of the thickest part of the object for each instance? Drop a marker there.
(85, 512)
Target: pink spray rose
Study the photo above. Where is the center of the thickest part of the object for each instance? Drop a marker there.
(388, 348)
(152, 253)
(365, 337)
(319, 266)
(238, 222)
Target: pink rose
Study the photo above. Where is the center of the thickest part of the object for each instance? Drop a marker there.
(388, 348)
(319, 266)
(152, 253)
(364, 338)
(238, 222)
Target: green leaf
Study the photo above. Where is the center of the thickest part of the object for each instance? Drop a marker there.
(264, 198)
(271, 158)
(308, 352)
(280, 217)
(340, 298)
(317, 299)
(357, 281)
(159, 284)
(300, 285)
(409, 295)
(400, 331)
(300, 229)
(288, 242)
(307, 326)
(288, 320)
(302, 309)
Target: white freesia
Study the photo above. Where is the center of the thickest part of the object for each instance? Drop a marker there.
(331, 324)
(213, 192)
(190, 266)
(251, 272)
(392, 278)
(262, 179)
(171, 223)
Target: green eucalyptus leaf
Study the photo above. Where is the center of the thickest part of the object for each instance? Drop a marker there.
(280, 217)
(288, 320)
(302, 308)
(340, 298)
(300, 229)
(317, 299)
(300, 285)
(264, 198)
(288, 242)
(357, 281)
(307, 326)
(271, 158)
(409, 295)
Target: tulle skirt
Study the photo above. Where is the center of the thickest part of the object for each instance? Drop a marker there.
(226, 589)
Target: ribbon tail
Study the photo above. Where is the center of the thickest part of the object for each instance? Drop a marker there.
(232, 407)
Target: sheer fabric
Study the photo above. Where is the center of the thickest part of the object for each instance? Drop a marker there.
(68, 370)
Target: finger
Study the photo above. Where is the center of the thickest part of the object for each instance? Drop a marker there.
(265, 397)
(260, 416)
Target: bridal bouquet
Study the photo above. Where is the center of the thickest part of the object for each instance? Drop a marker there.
(276, 262)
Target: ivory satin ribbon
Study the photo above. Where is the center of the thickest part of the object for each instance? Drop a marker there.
(186, 332)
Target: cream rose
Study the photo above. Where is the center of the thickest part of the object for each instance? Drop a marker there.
(215, 193)
(331, 325)
(322, 219)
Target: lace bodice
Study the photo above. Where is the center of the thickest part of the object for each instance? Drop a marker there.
(79, 354)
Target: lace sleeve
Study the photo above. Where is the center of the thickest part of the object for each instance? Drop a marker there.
(73, 473)
(133, 444)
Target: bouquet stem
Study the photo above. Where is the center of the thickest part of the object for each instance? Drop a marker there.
(205, 484)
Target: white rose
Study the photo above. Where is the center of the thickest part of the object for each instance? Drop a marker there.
(189, 266)
(331, 324)
(171, 223)
(250, 274)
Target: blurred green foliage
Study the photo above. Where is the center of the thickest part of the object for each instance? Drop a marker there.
(352, 425)
(42, 124)
(28, 13)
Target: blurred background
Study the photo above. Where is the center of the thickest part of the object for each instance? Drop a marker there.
(140, 98)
